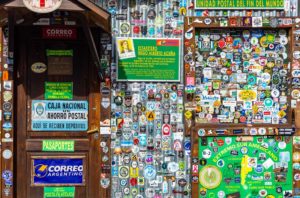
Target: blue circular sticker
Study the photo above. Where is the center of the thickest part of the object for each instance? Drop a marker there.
(149, 172)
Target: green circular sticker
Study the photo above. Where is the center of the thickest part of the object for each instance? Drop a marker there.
(268, 102)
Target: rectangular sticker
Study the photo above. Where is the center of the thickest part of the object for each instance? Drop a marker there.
(58, 145)
(58, 115)
(57, 171)
(58, 192)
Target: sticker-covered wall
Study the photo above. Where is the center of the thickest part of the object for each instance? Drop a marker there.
(150, 133)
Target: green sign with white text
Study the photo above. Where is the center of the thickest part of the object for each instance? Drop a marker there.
(246, 167)
(59, 192)
(148, 59)
(58, 145)
(239, 4)
(58, 90)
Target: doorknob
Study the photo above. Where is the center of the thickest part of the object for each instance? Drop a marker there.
(95, 130)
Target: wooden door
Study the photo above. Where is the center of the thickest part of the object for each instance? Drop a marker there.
(57, 103)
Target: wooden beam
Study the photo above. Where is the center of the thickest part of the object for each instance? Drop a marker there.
(92, 45)
(99, 16)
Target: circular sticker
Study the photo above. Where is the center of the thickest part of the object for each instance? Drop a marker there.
(275, 93)
(201, 132)
(7, 95)
(244, 150)
(297, 177)
(38, 67)
(220, 163)
(268, 102)
(253, 131)
(295, 94)
(262, 131)
(149, 172)
(282, 145)
(254, 41)
(263, 192)
(7, 106)
(211, 177)
(7, 154)
(206, 153)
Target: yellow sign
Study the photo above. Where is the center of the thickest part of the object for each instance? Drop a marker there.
(246, 95)
(150, 116)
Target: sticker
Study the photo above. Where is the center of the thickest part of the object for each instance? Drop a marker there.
(7, 106)
(7, 95)
(149, 172)
(7, 154)
(38, 67)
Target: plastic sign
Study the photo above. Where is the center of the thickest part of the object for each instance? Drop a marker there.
(58, 145)
(57, 171)
(59, 33)
(58, 90)
(42, 6)
(151, 59)
(238, 4)
(59, 115)
(53, 192)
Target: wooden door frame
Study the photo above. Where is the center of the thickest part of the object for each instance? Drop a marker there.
(92, 146)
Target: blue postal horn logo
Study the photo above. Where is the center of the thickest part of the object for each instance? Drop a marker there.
(40, 170)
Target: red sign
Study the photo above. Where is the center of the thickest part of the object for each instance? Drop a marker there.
(59, 33)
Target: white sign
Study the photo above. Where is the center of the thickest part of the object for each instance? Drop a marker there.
(59, 115)
(42, 6)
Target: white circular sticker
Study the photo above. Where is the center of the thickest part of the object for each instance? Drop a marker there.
(221, 194)
(206, 153)
(7, 135)
(7, 154)
(282, 145)
(262, 131)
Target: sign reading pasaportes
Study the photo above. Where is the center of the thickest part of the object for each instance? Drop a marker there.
(148, 59)
(239, 4)
(57, 171)
(58, 115)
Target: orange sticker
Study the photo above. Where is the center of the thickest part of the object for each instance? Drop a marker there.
(5, 75)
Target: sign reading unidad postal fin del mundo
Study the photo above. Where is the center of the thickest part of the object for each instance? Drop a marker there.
(59, 115)
(42, 6)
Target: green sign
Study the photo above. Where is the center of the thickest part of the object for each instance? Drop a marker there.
(248, 167)
(148, 59)
(59, 192)
(239, 4)
(59, 52)
(58, 90)
(58, 145)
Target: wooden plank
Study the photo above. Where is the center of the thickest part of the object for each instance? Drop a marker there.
(7, 164)
(92, 46)
(94, 159)
(21, 121)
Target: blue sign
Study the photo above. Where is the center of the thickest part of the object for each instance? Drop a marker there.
(59, 115)
(57, 171)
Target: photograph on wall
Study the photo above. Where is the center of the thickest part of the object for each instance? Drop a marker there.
(125, 48)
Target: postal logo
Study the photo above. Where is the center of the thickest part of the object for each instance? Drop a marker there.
(40, 170)
(42, 6)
